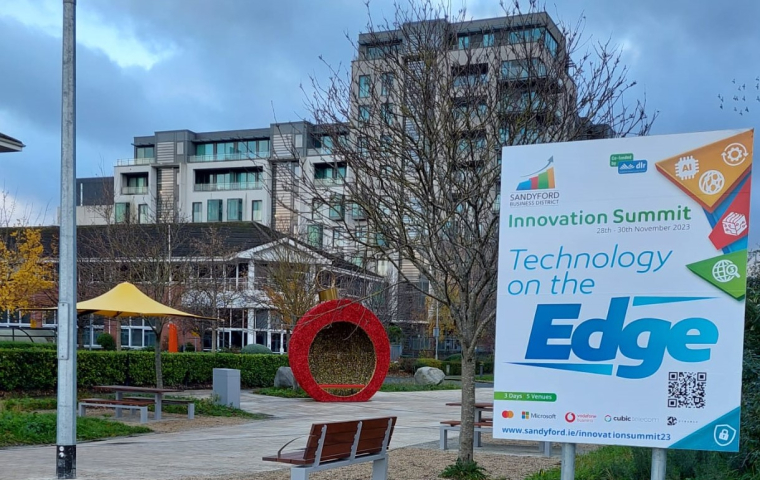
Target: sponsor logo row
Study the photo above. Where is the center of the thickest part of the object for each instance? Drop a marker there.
(572, 417)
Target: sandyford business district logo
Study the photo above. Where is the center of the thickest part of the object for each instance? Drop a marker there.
(536, 188)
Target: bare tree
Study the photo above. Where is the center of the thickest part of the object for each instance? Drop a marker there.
(415, 133)
(216, 282)
(146, 255)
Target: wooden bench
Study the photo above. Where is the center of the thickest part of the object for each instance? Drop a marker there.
(140, 405)
(455, 425)
(172, 401)
(337, 444)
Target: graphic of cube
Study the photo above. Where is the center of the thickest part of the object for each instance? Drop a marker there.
(734, 224)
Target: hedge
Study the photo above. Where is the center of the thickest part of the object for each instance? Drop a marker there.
(36, 369)
(455, 367)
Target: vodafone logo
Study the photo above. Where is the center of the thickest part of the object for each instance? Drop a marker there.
(569, 417)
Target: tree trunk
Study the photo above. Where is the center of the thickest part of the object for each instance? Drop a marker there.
(157, 351)
(468, 406)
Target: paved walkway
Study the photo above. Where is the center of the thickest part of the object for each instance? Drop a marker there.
(238, 448)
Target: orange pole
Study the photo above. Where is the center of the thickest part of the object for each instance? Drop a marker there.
(173, 340)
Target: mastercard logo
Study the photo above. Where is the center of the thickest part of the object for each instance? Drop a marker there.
(508, 414)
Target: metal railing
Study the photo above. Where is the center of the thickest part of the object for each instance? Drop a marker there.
(142, 190)
(123, 162)
(226, 157)
(218, 187)
(329, 181)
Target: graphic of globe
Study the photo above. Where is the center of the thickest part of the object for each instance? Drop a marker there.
(724, 271)
(711, 182)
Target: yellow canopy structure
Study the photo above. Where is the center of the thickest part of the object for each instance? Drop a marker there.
(126, 300)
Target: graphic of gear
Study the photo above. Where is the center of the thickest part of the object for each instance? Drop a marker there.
(687, 168)
(734, 154)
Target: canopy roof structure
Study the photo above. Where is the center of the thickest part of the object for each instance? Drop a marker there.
(126, 300)
(10, 144)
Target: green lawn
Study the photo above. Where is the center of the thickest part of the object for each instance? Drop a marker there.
(24, 428)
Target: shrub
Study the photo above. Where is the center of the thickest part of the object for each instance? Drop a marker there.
(427, 362)
(106, 342)
(464, 470)
(189, 347)
(36, 369)
(256, 349)
(26, 345)
(407, 364)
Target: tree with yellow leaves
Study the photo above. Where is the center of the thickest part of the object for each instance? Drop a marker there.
(24, 271)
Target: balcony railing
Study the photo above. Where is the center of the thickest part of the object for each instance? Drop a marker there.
(123, 162)
(227, 157)
(220, 187)
(329, 181)
(134, 190)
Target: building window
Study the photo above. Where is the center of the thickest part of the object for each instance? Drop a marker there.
(328, 174)
(145, 152)
(386, 112)
(488, 40)
(225, 149)
(358, 212)
(364, 114)
(197, 212)
(525, 35)
(137, 333)
(121, 213)
(204, 149)
(337, 210)
(253, 149)
(470, 75)
(234, 209)
(214, 211)
(361, 234)
(364, 86)
(314, 235)
(463, 42)
(550, 42)
(256, 211)
(142, 213)
(387, 80)
(228, 179)
(135, 184)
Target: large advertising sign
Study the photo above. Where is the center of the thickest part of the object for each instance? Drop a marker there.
(622, 276)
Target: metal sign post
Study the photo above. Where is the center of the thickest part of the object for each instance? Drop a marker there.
(567, 470)
(66, 432)
(659, 463)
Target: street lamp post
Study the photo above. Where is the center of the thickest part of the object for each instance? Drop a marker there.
(66, 439)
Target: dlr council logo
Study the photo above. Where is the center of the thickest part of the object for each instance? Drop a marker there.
(597, 342)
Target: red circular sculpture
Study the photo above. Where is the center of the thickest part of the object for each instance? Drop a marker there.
(356, 327)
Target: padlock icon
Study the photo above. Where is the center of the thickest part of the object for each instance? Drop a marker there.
(723, 435)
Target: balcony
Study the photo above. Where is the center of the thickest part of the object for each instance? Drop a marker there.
(221, 187)
(142, 190)
(329, 181)
(227, 157)
(125, 162)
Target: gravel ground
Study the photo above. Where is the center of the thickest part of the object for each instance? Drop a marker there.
(413, 463)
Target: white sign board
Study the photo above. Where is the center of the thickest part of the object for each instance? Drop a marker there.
(622, 275)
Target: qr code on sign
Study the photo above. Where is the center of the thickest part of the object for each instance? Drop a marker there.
(686, 389)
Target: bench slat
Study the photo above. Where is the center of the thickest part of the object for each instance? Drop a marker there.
(107, 401)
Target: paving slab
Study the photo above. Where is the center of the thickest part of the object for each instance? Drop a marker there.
(236, 449)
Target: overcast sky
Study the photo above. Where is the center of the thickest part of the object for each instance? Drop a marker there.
(226, 64)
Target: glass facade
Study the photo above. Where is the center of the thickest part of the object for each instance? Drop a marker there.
(142, 213)
(197, 212)
(257, 211)
(214, 211)
(364, 86)
(121, 213)
(234, 209)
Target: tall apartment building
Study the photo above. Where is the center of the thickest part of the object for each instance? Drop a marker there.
(255, 175)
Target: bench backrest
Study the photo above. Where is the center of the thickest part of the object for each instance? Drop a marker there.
(340, 440)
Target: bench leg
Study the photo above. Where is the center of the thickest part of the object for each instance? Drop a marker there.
(299, 473)
(191, 411)
(444, 439)
(143, 414)
(380, 469)
(546, 447)
(81, 410)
